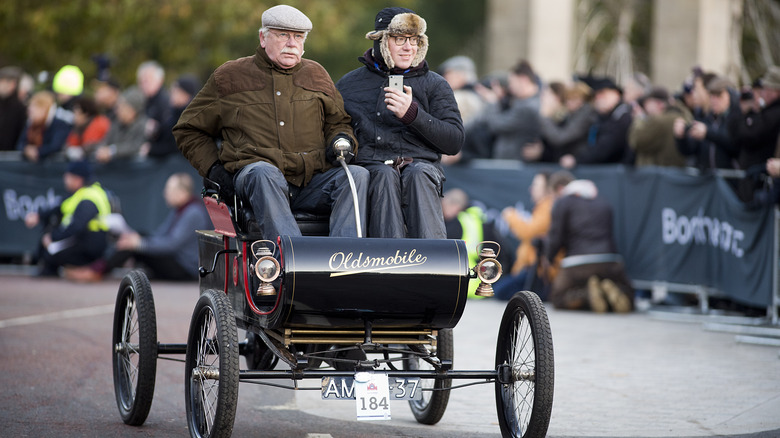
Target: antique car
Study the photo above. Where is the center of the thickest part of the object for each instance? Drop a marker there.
(363, 318)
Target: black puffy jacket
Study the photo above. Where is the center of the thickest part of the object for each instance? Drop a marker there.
(437, 129)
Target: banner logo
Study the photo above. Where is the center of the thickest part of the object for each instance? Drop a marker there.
(17, 206)
(701, 230)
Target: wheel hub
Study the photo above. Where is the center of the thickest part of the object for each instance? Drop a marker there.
(209, 373)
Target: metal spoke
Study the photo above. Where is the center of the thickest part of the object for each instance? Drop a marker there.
(521, 391)
(129, 350)
(207, 360)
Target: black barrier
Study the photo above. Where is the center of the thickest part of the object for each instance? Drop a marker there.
(30, 187)
(670, 226)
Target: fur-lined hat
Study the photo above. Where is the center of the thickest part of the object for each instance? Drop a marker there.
(398, 21)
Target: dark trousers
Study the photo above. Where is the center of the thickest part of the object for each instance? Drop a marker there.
(78, 251)
(266, 189)
(405, 203)
(570, 287)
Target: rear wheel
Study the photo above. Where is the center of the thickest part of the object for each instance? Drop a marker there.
(134, 341)
(524, 359)
(431, 407)
(211, 367)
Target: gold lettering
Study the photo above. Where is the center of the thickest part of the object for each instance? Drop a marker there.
(336, 260)
(348, 263)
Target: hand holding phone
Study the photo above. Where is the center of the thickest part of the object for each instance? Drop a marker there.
(398, 103)
(396, 82)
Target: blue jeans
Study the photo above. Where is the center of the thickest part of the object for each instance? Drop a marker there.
(268, 192)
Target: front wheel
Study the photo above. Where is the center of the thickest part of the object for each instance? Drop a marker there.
(524, 360)
(211, 367)
(134, 342)
(431, 407)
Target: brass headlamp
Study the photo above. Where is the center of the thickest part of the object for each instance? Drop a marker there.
(267, 268)
(488, 270)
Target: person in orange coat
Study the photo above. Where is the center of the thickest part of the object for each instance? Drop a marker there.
(544, 188)
(89, 128)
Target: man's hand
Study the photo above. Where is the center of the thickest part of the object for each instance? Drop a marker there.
(679, 127)
(341, 145)
(32, 219)
(398, 103)
(104, 154)
(567, 161)
(698, 131)
(129, 241)
(219, 175)
(31, 153)
(533, 151)
(773, 167)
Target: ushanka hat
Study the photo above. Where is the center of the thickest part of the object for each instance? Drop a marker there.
(398, 21)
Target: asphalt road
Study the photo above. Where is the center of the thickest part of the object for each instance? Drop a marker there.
(616, 375)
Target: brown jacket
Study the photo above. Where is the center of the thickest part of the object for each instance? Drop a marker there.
(264, 113)
(653, 141)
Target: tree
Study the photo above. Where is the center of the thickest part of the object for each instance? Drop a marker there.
(196, 36)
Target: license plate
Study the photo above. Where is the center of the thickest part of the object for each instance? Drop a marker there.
(343, 388)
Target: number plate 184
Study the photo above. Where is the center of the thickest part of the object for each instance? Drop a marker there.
(343, 388)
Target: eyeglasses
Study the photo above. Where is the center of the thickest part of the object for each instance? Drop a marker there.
(285, 36)
(401, 40)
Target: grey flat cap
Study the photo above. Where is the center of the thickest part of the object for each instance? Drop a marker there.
(286, 18)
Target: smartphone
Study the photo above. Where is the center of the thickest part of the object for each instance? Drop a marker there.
(397, 82)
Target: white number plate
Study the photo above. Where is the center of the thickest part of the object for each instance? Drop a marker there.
(372, 396)
(343, 388)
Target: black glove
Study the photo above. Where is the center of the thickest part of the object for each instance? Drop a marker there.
(219, 175)
(331, 153)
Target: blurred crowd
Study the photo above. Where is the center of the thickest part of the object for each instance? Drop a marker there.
(89, 123)
(708, 123)
(100, 120)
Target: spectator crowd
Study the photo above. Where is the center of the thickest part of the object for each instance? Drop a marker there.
(97, 120)
(709, 123)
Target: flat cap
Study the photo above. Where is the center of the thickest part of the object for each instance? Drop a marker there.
(286, 17)
(718, 85)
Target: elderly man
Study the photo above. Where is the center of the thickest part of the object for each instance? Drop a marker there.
(171, 251)
(402, 132)
(279, 117)
(150, 78)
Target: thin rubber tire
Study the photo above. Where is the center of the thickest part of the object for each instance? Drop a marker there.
(134, 342)
(431, 407)
(211, 367)
(524, 403)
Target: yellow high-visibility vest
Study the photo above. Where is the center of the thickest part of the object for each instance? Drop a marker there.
(471, 223)
(93, 193)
